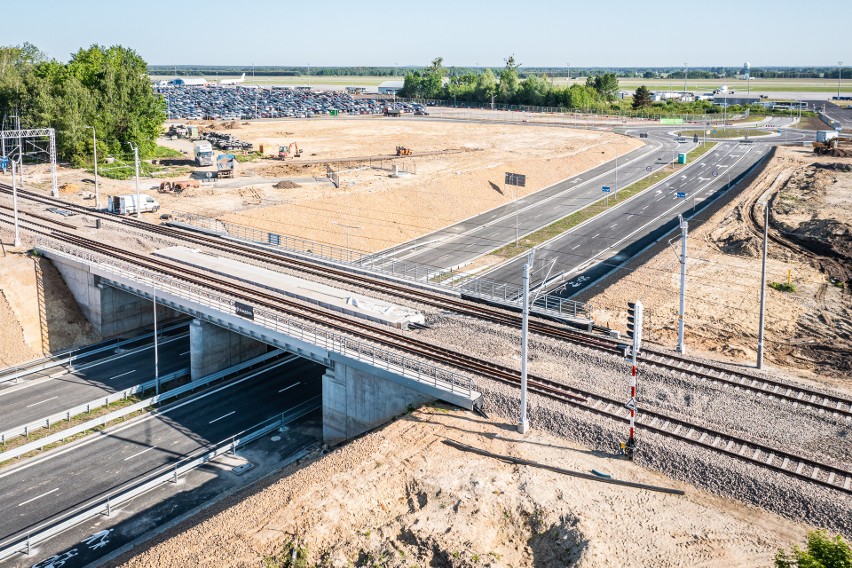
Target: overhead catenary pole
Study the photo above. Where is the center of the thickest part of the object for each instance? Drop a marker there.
(523, 422)
(684, 227)
(763, 287)
(136, 164)
(15, 206)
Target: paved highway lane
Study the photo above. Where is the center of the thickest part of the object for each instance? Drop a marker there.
(593, 249)
(463, 242)
(33, 399)
(67, 479)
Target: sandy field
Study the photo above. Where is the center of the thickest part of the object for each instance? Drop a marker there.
(445, 188)
(37, 313)
(429, 504)
(807, 330)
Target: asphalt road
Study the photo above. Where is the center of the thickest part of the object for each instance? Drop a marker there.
(463, 242)
(592, 250)
(37, 398)
(70, 477)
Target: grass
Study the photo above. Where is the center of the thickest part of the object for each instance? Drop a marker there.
(811, 123)
(566, 223)
(726, 133)
(783, 286)
(249, 157)
(165, 152)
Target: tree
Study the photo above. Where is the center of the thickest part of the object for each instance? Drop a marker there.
(486, 86)
(581, 97)
(606, 85)
(508, 80)
(641, 98)
(822, 552)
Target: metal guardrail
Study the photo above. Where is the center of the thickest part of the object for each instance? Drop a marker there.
(68, 357)
(313, 334)
(121, 412)
(165, 474)
(508, 294)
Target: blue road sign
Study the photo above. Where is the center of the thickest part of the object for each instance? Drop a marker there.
(715, 173)
(681, 194)
(606, 189)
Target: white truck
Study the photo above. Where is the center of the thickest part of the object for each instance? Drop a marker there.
(825, 135)
(203, 153)
(126, 204)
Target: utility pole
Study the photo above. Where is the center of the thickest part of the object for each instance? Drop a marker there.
(839, 75)
(15, 206)
(763, 286)
(95, 148)
(523, 423)
(685, 74)
(684, 227)
(136, 163)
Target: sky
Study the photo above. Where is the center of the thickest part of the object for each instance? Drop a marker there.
(543, 33)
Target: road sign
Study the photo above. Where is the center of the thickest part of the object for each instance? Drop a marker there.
(516, 179)
(244, 310)
(631, 404)
(606, 189)
(681, 194)
(715, 173)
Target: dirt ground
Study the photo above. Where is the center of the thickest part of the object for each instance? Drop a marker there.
(401, 497)
(38, 315)
(811, 224)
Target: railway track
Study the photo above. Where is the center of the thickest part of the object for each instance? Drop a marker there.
(796, 396)
(765, 456)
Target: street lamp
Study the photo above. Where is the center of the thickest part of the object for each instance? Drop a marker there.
(95, 150)
(839, 74)
(685, 74)
(136, 163)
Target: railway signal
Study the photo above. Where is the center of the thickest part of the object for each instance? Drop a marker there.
(634, 331)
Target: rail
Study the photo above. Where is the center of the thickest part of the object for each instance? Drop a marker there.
(121, 412)
(311, 333)
(169, 473)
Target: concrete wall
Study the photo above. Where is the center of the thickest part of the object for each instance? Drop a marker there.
(354, 401)
(213, 348)
(110, 311)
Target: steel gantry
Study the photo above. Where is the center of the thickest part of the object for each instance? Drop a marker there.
(16, 150)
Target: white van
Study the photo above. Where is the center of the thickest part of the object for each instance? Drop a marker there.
(126, 204)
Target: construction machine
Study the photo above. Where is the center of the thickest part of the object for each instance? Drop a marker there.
(403, 151)
(291, 151)
(838, 146)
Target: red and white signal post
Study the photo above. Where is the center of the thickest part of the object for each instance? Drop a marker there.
(634, 331)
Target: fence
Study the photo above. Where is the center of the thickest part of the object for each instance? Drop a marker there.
(165, 474)
(313, 334)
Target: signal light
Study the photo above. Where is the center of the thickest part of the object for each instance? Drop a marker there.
(634, 324)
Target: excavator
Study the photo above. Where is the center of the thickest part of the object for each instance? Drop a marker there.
(291, 151)
(403, 151)
(839, 147)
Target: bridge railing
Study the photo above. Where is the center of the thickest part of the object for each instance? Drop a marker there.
(497, 292)
(291, 326)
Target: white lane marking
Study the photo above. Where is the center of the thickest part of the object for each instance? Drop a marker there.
(182, 354)
(295, 384)
(614, 225)
(122, 375)
(596, 236)
(41, 401)
(139, 453)
(223, 416)
(574, 247)
(39, 497)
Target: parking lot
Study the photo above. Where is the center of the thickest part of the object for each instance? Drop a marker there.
(239, 103)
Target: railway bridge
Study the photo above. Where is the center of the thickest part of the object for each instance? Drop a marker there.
(365, 384)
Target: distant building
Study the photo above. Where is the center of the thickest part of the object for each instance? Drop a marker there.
(719, 99)
(356, 90)
(189, 82)
(390, 87)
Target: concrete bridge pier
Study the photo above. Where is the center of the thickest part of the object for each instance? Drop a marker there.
(354, 402)
(213, 348)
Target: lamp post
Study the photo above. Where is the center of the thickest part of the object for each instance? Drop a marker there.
(685, 74)
(95, 150)
(136, 164)
(839, 74)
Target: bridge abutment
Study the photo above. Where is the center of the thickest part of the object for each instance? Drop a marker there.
(213, 348)
(354, 402)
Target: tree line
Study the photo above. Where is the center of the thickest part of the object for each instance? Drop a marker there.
(507, 87)
(103, 87)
